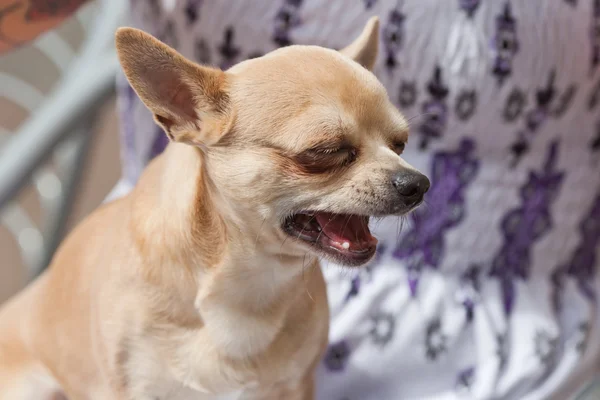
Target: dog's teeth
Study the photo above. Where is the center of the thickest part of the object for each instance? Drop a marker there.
(346, 245)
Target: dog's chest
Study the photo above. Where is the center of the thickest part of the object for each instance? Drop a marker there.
(220, 387)
(235, 352)
(192, 369)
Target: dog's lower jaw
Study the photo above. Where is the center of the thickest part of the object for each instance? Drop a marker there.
(342, 238)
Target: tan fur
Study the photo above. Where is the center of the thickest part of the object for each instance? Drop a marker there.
(187, 288)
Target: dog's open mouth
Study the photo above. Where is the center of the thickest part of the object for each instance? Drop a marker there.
(346, 237)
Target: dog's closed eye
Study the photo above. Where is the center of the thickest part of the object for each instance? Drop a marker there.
(320, 160)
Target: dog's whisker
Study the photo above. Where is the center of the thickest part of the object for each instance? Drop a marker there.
(408, 120)
(346, 223)
(284, 240)
(259, 232)
(322, 230)
(303, 228)
(403, 221)
(304, 277)
(281, 248)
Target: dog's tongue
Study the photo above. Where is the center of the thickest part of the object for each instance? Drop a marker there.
(343, 228)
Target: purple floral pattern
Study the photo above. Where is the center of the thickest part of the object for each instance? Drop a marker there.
(583, 263)
(407, 94)
(470, 282)
(192, 11)
(202, 52)
(544, 96)
(465, 379)
(505, 44)
(466, 104)
(524, 226)
(286, 19)
(583, 336)
(564, 102)
(515, 103)
(384, 325)
(435, 110)
(546, 348)
(595, 141)
(595, 34)
(545, 107)
(228, 49)
(337, 356)
(469, 6)
(393, 35)
(519, 148)
(369, 3)
(594, 96)
(502, 349)
(354, 287)
(357, 281)
(435, 340)
(423, 245)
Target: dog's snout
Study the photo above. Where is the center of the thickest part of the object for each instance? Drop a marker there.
(411, 186)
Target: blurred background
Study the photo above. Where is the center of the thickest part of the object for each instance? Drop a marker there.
(58, 158)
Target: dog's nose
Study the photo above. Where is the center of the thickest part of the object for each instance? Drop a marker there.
(412, 186)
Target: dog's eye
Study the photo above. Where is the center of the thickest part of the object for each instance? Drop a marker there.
(398, 147)
(321, 160)
(347, 153)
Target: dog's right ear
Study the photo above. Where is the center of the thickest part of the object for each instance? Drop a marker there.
(189, 101)
(365, 47)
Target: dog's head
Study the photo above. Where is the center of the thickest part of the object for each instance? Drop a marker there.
(303, 143)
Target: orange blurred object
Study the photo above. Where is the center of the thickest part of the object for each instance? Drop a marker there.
(23, 20)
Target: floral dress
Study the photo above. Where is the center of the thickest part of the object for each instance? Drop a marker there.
(490, 290)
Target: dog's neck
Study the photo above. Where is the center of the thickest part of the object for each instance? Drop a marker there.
(210, 259)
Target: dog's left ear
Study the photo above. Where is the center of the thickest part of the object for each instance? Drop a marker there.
(364, 49)
(188, 100)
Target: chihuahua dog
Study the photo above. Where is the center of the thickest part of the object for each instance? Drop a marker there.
(204, 282)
